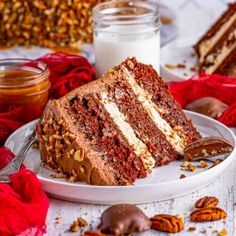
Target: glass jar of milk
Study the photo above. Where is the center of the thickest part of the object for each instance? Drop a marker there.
(126, 29)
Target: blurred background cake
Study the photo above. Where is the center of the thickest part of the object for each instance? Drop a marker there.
(216, 50)
(46, 23)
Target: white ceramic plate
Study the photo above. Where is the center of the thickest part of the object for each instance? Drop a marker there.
(162, 184)
(177, 53)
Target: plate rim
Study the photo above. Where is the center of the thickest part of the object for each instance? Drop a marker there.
(189, 178)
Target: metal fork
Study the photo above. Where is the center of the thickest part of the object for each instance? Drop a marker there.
(15, 164)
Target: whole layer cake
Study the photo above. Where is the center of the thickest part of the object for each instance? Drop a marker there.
(217, 47)
(115, 129)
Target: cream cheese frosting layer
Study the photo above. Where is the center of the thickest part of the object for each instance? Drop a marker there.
(215, 59)
(208, 44)
(119, 119)
(154, 112)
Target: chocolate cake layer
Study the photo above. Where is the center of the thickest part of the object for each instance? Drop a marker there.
(115, 129)
(178, 129)
(105, 137)
(215, 32)
(142, 124)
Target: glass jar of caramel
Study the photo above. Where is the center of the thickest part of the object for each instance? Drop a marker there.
(23, 83)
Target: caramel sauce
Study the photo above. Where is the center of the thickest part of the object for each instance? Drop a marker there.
(22, 87)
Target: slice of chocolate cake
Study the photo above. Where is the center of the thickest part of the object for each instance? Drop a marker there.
(216, 49)
(115, 129)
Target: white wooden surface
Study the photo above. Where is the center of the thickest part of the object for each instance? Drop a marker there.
(223, 188)
(193, 17)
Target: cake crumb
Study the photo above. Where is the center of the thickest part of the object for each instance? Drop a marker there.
(182, 176)
(223, 232)
(181, 66)
(58, 220)
(93, 233)
(170, 67)
(193, 69)
(74, 227)
(191, 229)
(203, 164)
(204, 231)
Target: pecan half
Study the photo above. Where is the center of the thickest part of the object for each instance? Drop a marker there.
(167, 223)
(208, 214)
(207, 201)
(206, 148)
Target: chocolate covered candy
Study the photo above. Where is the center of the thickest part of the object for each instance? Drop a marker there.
(206, 148)
(122, 219)
(208, 106)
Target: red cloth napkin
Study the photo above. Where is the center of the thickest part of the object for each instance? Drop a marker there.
(203, 85)
(66, 73)
(23, 204)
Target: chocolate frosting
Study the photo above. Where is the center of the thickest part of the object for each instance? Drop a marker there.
(208, 106)
(123, 219)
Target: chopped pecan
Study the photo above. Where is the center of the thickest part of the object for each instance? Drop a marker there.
(207, 201)
(167, 223)
(203, 164)
(58, 220)
(223, 232)
(206, 148)
(82, 222)
(188, 166)
(208, 214)
(74, 227)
